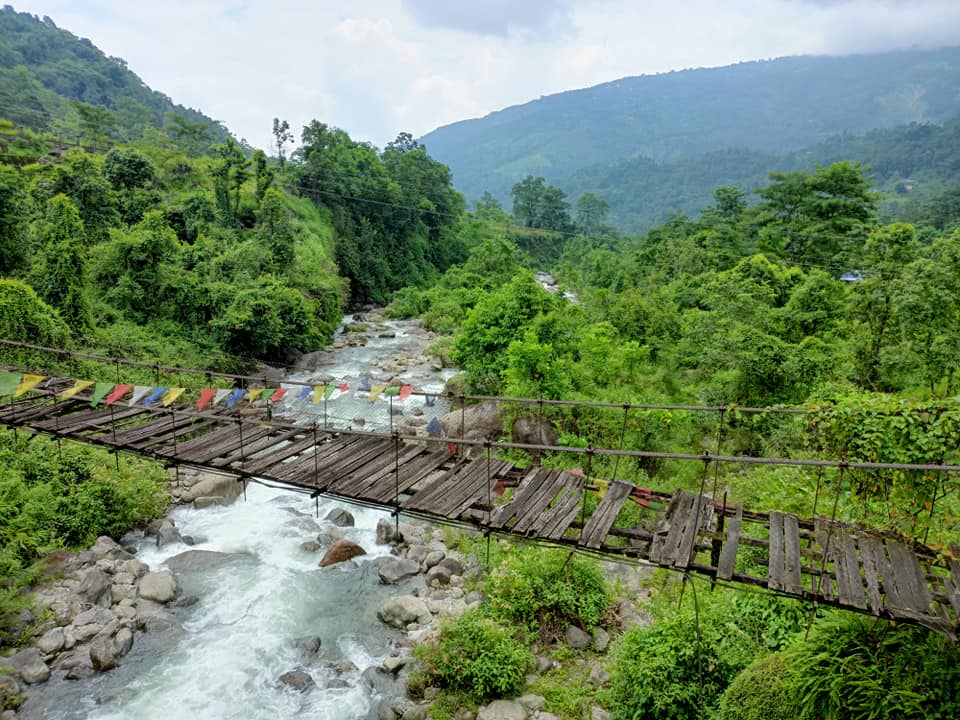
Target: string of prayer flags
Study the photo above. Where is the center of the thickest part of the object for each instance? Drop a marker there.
(206, 395)
(118, 392)
(405, 391)
(29, 382)
(278, 395)
(434, 428)
(9, 381)
(78, 386)
(253, 394)
(235, 396)
(158, 392)
(171, 396)
(139, 393)
(375, 391)
(100, 391)
(220, 396)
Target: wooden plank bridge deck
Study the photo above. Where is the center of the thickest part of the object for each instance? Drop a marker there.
(813, 559)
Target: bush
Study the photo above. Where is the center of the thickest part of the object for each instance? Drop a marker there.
(475, 655)
(545, 591)
(760, 692)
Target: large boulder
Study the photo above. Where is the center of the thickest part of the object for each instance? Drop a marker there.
(194, 560)
(577, 638)
(103, 653)
(93, 586)
(160, 586)
(386, 532)
(394, 569)
(402, 610)
(299, 680)
(340, 518)
(502, 710)
(476, 422)
(215, 485)
(51, 642)
(340, 551)
(534, 430)
(29, 666)
(107, 547)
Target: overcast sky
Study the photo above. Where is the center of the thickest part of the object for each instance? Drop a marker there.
(379, 67)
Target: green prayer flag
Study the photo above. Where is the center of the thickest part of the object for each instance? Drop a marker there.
(328, 392)
(392, 391)
(9, 381)
(100, 391)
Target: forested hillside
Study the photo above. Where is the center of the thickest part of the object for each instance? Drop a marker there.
(51, 80)
(768, 106)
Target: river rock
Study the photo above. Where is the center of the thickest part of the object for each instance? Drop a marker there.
(310, 546)
(385, 532)
(153, 617)
(598, 675)
(159, 586)
(204, 502)
(214, 485)
(340, 551)
(601, 639)
(299, 680)
(393, 569)
(123, 641)
(411, 534)
(402, 610)
(478, 422)
(452, 564)
(533, 430)
(434, 558)
(168, 535)
(9, 688)
(103, 653)
(577, 638)
(329, 534)
(417, 553)
(598, 713)
(109, 548)
(308, 646)
(135, 568)
(202, 560)
(93, 586)
(51, 642)
(29, 666)
(502, 710)
(340, 518)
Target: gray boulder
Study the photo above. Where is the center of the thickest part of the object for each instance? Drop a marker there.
(451, 564)
(195, 560)
(533, 430)
(123, 641)
(434, 558)
(300, 680)
(51, 642)
(601, 639)
(310, 546)
(477, 422)
(340, 518)
(29, 666)
(107, 547)
(329, 534)
(400, 611)
(577, 638)
(103, 653)
(502, 710)
(386, 532)
(93, 585)
(438, 574)
(160, 586)
(215, 485)
(393, 569)
(207, 501)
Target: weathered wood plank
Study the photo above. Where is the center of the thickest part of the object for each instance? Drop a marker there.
(280, 455)
(775, 552)
(358, 481)
(952, 585)
(826, 537)
(532, 511)
(911, 583)
(605, 514)
(678, 512)
(792, 579)
(728, 555)
(871, 549)
(240, 441)
(849, 583)
(410, 474)
(529, 484)
(257, 446)
(565, 511)
(699, 518)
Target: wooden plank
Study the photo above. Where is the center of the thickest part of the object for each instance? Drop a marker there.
(605, 514)
(239, 441)
(279, 455)
(258, 446)
(478, 494)
(700, 516)
(678, 512)
(849, 582)
(187, 427)
(911, 583)
(826, 537)
(775, 552)
(359, 480)
(185, 448)
(728, 555)
(871, 549)
(315, 461)
(565, 511)
(438, 493)
(410, 475)
(792, 582)
(529, 484)
(952, 585)
(533, 509)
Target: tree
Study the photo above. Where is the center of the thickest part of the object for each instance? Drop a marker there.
(80, 178)
(13, 222)
(228, 176)
(262, 175)
(275, 230)
(592, 214)
(281, 136)
(405, 142)
(60, 271)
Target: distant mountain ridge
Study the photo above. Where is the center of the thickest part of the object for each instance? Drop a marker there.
(45, 70)
(775, 107)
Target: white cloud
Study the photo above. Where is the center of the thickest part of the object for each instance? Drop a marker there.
(385, 66)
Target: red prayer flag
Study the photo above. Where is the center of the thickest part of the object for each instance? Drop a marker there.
(405, 391)
(206, 395)
(343, 387)
(118, 392)
(278, 395)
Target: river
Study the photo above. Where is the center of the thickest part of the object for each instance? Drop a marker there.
(240, 622)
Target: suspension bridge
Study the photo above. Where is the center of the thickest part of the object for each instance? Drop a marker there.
(465, 481)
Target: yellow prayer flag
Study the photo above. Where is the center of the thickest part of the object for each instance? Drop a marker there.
(28, 383)
(318, 391)
(253, 394)
(78, 386)
(171, 395)
(602, 487)
(375, 391)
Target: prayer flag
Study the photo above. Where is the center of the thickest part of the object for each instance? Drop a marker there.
(29, 383)
(428, 400)
(391, 391)
(375, 391)
(318, 391)
(158, 392)
(100, 391)
(139, 393)
(78, 386)
(206, 395)
(220, 396)
(234, 397)
(434, 428)
(253, 394)
(118, 392)
(9, 381)
(365, 383)
(304, 393)
(406, 391)
(171, 396)
(328, 393)
(278, 395)
(343, 387)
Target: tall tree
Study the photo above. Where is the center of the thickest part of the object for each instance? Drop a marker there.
(13, 222)
(281, 136)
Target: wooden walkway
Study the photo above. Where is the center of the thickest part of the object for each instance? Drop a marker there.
(811, 559)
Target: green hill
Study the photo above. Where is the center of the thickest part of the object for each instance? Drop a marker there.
(771, 107)
(52, 80)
